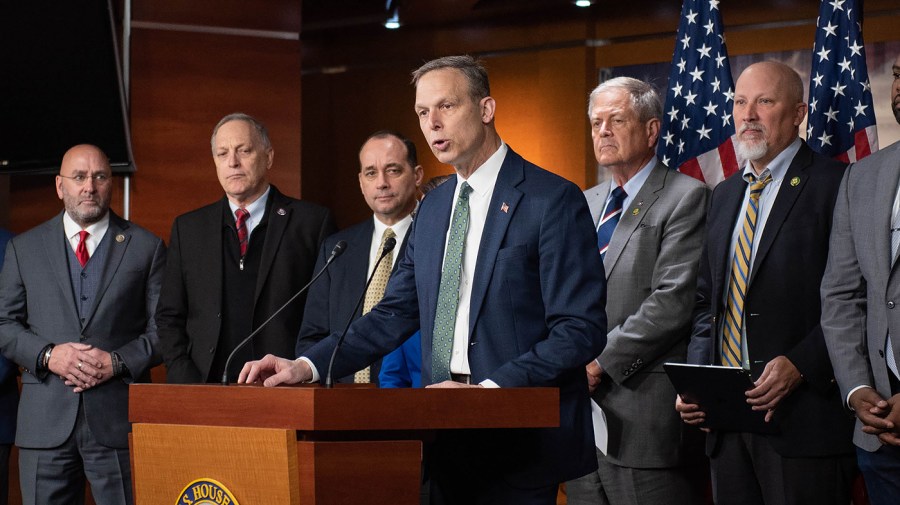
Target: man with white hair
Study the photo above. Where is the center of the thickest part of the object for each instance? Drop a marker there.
(650, 222)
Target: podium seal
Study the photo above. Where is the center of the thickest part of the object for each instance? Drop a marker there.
(206, 492)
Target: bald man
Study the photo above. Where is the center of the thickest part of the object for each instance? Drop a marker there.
(758, 305)
(77, 296)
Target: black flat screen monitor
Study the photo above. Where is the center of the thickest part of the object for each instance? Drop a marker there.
(60, 84)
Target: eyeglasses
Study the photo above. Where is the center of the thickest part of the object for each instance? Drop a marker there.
(80, 179)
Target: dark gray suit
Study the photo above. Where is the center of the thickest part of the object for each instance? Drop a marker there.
(38, 307)
(651, 270)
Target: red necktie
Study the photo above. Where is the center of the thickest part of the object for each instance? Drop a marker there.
(81, 251)
(242, 216)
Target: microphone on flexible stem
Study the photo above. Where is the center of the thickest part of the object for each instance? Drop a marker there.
(388, 247)
(339, 249)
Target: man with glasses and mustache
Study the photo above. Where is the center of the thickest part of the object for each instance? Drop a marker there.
(77, 296)
(758, 305)
(859, 294)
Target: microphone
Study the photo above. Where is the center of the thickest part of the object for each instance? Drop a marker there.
(339, 249)
(389, 245)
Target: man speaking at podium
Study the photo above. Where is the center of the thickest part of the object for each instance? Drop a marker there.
(501, 272)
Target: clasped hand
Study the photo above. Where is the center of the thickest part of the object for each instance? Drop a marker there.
(81, 366)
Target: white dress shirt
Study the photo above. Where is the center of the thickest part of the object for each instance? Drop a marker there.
(482, 181)
(400, 228)
(96, 230)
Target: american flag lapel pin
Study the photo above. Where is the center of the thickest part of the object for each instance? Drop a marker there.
(504, 208)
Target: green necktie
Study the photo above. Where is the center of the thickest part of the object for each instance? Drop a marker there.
(740, 272)
(448, 295)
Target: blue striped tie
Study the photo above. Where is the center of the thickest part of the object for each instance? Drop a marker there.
(610, 219)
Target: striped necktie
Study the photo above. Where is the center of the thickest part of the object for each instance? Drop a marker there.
(740, 272)
(241, 224)
(448, 293)
(610, 219)
(375, 293)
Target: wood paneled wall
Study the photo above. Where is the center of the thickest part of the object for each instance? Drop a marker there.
(541, 74)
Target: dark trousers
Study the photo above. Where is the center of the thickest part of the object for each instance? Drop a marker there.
(881, 470)
(4, 473)
(473, 467)
(57, 476)
(746, 470)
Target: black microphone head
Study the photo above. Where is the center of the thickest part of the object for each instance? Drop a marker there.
(389, 245)
(339, 248)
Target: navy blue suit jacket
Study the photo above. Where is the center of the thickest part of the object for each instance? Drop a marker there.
(537, 312)
(782, 303)
(333, 297)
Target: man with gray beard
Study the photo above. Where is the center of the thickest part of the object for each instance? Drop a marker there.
(758, 305)
(77, 295)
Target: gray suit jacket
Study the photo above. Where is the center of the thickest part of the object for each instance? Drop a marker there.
(37, 307)
(651, 273)
(862, 283)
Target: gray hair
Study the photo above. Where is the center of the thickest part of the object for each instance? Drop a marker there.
(644, 97)
(240, 116)
(472, 69)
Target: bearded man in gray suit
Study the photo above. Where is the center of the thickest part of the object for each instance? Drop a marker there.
(77, 296)
(650, 225)
(860, 291)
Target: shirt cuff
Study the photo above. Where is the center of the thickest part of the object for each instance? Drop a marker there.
(488, 383)
(847, 400)
(315, 373)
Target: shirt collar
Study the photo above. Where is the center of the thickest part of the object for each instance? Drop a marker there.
(96, 230)
(256, 209)
(482, 180)
(779, 165)
(399, 228)
(636, 182)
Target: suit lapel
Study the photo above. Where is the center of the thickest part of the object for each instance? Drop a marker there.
(278, 219)
(356, 273)
(56, 247)
(792, 185)
(428, 250)
(116, 251)
(505, 194)
(884, 199)
(632, 217)
(596, 198)
(729, 209)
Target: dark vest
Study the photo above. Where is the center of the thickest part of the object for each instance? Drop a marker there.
(238, 294)
(86, 281)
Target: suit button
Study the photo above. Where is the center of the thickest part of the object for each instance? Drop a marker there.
(880, 353)
(891, 304)
(212, 350)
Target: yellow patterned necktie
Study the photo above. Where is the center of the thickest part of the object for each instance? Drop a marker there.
(376, 292)
(740, 272)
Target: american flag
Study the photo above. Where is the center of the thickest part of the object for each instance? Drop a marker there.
(841, 120)
(697, 124)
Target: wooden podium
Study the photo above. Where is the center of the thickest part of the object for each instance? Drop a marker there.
(307, 445)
